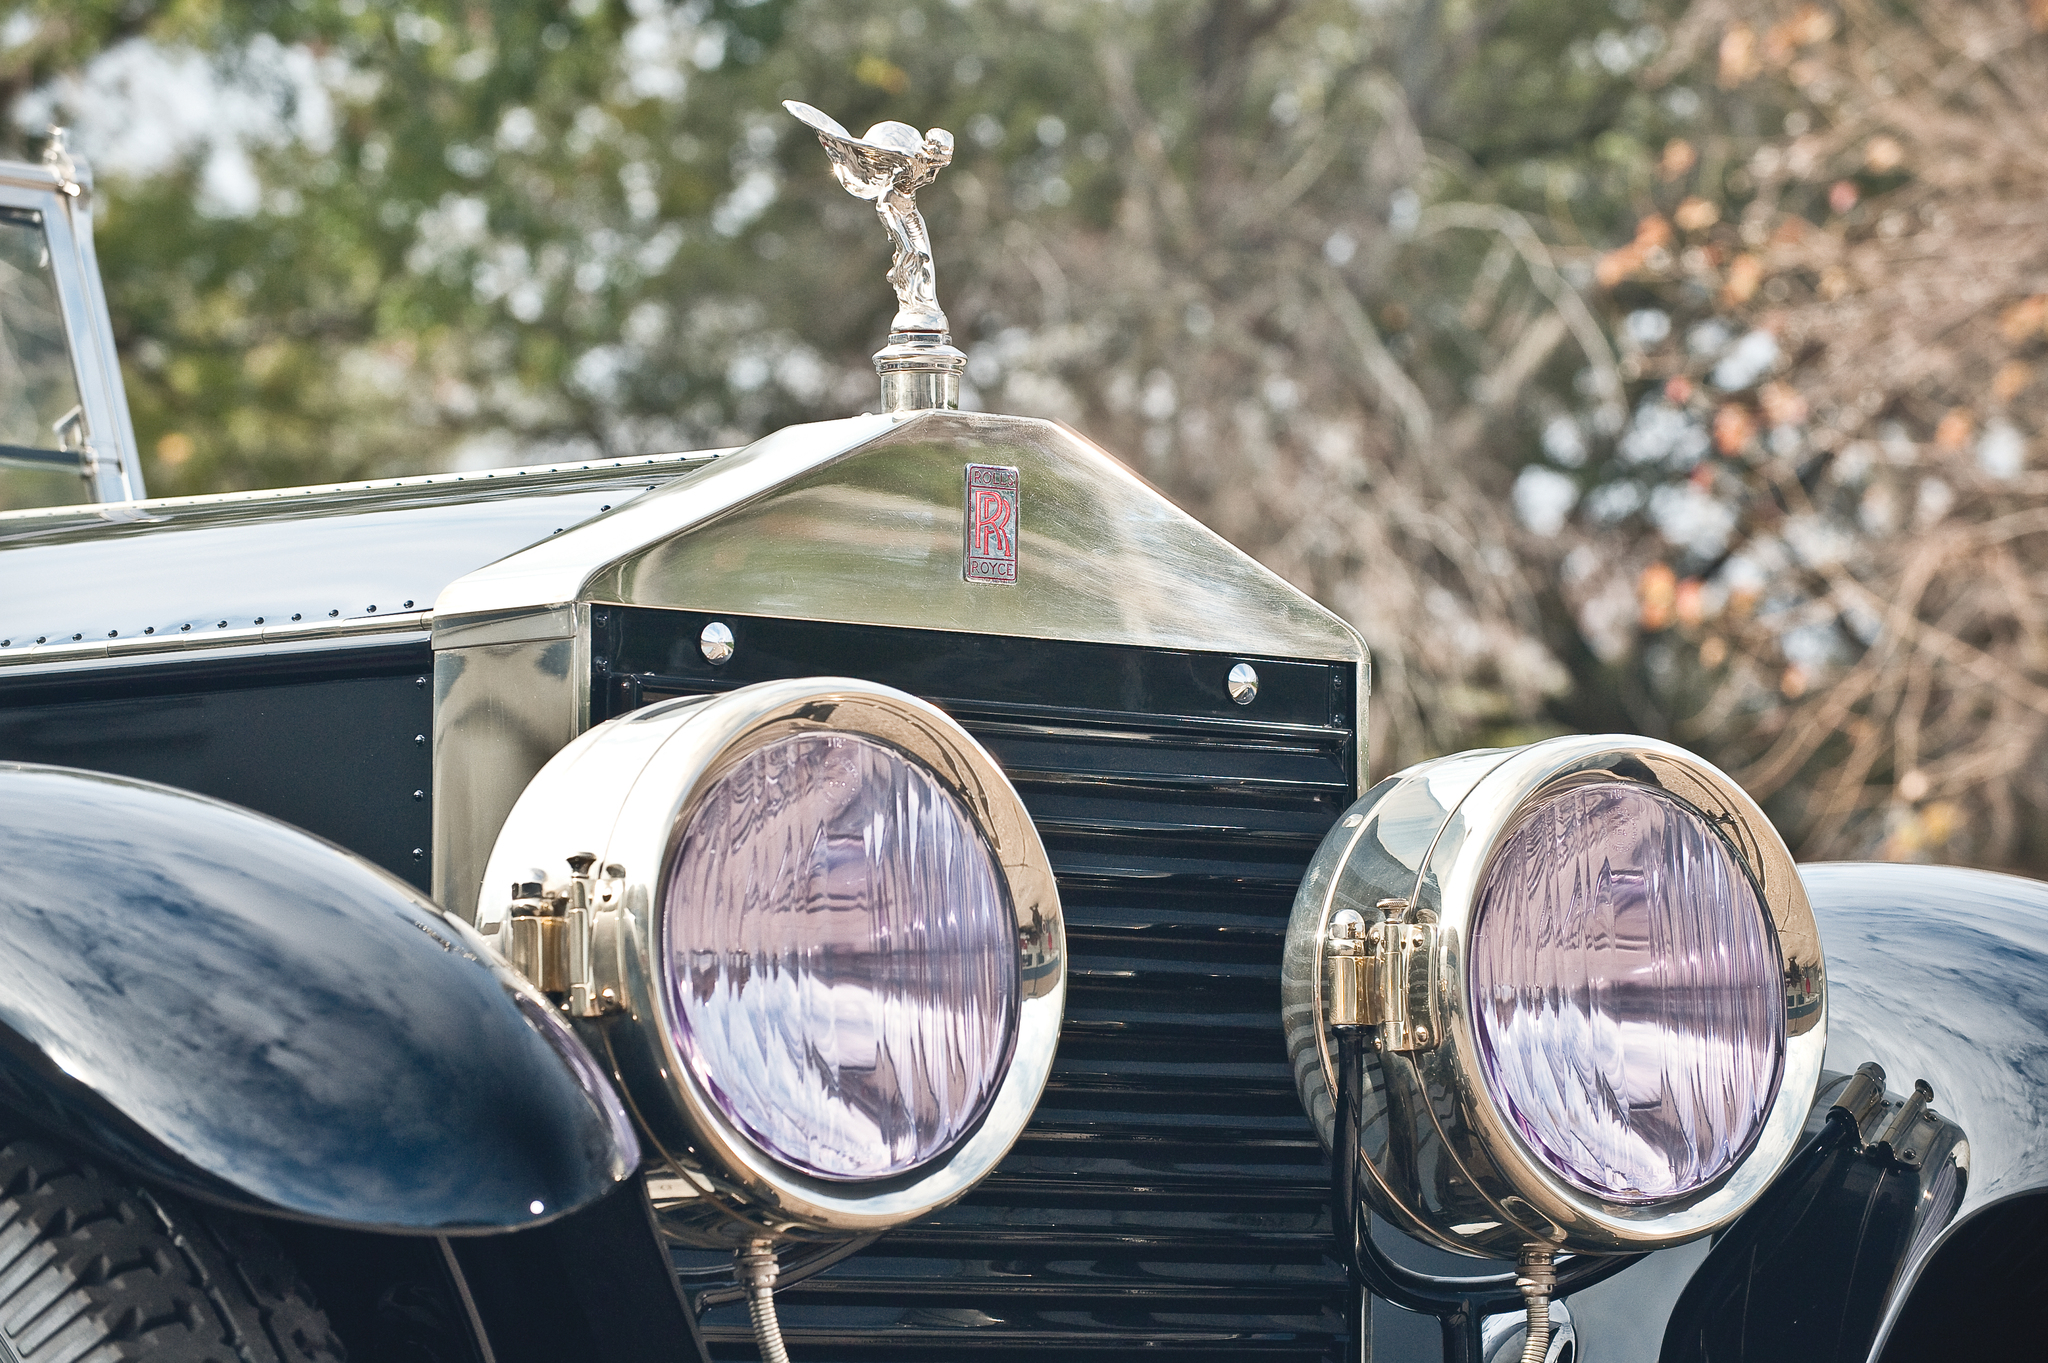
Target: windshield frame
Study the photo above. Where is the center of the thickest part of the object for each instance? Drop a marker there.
(61, 192)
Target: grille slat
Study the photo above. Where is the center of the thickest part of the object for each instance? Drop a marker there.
(1169, 1199)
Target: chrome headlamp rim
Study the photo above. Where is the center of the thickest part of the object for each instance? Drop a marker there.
(632, 786)
(1429, 835)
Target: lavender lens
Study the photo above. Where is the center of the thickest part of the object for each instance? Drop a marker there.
(843, 957)
(1625, 993)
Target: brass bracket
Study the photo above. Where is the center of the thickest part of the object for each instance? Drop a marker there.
(551, 936)
(1382, 976)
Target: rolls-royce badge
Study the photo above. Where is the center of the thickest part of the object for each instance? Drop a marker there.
(991, 523)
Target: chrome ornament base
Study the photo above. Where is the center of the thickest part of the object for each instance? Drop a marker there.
(920, 372)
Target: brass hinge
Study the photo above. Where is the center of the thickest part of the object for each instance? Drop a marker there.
(1380, 976)
(550, 936)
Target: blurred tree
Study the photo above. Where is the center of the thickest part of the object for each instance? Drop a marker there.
(1589, 356)
(1833, 307)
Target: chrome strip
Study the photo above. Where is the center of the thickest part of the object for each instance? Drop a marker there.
(509, 627)
(69, 654)
(482, 478)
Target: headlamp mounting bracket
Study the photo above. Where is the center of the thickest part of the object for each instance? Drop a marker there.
(551, 930)
(1382, 976)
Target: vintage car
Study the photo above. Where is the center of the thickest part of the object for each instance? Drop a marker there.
(900, 890)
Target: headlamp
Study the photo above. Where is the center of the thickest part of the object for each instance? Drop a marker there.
(812, 929)
(1594, 991)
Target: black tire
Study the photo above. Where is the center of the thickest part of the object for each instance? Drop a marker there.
(95, 1267)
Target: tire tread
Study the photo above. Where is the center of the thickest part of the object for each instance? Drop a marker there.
(96, 1268)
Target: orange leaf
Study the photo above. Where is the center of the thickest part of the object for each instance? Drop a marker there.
(1738, 55)
(1680, 157)
(2024, 318)
(1955, 430)
(1687, 605)
(1696, 214)
(1743, 276)
(1733, 428)
(1782, 404)
(2011, 380)
(1657, 590)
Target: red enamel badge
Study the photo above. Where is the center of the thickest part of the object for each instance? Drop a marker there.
(991, 524)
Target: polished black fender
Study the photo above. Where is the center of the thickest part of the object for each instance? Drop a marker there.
(237, 1009)
(1939, 975)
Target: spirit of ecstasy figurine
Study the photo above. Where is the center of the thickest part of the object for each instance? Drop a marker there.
(919, 368)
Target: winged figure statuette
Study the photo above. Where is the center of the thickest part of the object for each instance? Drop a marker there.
(888, 166)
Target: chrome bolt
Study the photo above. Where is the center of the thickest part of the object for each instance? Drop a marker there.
(716, 642)
(1244, 683)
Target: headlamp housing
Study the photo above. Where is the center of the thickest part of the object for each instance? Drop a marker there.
(812, 931)
(1594, 987)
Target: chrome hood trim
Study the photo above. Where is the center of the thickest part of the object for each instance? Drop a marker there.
(860, 521)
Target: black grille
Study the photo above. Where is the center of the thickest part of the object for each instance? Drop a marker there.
(1169, 1198)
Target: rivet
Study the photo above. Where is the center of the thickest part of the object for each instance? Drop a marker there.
(149, 629)
(295, 617)
(259, 619)
(76, 637)
(419, 795)
(184, 627)
(605, 507)
(408, 605)
(716, 642)
(419, 854)
(1244, 683)
(420, 682)
(40, 638)
(332, 614)
(113, 634)
(372, 610)
(222, 625)
(419, 740)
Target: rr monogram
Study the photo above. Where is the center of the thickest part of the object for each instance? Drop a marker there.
(992, 510)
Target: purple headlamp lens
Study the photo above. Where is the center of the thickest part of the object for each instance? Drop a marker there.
(1626, 994)
(843, 957)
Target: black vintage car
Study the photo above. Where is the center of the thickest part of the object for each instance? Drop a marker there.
(899, 890)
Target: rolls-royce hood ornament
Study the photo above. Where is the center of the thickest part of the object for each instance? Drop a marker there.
(919, 367)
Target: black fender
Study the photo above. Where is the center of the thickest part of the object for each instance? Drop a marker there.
(1938, 974)
(237, 1009)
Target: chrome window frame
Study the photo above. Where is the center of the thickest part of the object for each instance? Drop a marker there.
(62, 194)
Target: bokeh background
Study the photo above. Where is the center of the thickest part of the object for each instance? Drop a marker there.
(1611, 364)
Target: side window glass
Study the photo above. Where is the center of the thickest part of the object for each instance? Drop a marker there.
(41, 421)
